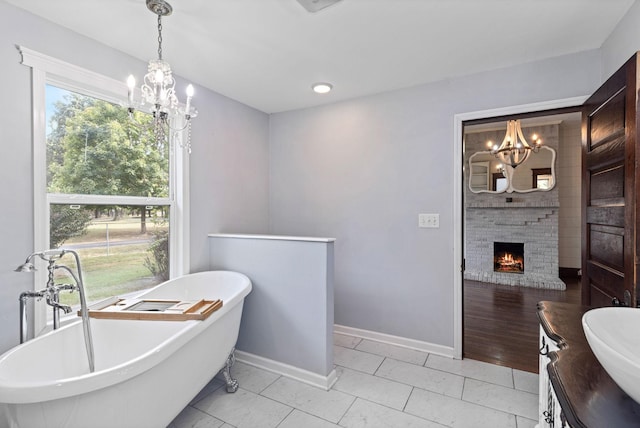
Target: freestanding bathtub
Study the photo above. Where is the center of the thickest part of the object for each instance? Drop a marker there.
(146, 372)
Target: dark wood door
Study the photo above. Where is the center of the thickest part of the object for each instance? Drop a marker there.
(609, 139)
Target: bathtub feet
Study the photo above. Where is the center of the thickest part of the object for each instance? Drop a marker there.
(232, 384)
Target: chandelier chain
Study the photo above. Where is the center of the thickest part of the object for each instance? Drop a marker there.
(188, 144)
(159, 36)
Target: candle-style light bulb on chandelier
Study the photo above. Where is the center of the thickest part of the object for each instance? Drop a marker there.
(514, 149)
(158, 90)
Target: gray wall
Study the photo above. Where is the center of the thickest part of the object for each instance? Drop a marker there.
(360, 171)
(363, 169)
(225, 135)
(229, 173)
(288, 316)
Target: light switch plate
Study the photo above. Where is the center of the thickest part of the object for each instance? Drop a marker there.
(429, 220)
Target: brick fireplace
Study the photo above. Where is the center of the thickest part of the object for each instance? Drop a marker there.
(536, 228)
(529, 219)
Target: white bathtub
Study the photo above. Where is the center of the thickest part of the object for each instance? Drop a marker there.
(146, 372)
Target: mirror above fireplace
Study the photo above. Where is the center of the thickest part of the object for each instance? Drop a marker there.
(488, 174)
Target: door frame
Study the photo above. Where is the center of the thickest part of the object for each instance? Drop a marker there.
(458, 195)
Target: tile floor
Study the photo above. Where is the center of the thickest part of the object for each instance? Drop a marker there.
(378, 386)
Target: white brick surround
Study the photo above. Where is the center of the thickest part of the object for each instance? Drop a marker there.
(536, 228)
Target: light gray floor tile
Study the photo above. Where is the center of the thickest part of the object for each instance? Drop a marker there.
(372, 388)
(497, 397)
(252, 378)
(364, 414)
(194, 418)
(422, 377)
(526, 381)
(526, 423)
(456, 413)
(345, 341)
(356, 360)
(244, 409)
(375, 382)
(396, 352)
(208, 389)
(298, 419)
(330, 405)
(473, 369)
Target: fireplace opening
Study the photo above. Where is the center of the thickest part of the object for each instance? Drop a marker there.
(508, 257)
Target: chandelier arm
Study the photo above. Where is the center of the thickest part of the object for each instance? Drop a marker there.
(507, 142)
(176, 129)
(525, 144)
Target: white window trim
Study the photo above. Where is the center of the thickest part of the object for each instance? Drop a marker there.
(49, 70)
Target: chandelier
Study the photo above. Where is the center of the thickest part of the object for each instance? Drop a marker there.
(514, 149)
(158, 91)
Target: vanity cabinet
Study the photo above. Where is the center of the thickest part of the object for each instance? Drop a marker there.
(575, 390)
(549, 410)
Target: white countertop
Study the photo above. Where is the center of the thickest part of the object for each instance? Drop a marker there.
(273, 237)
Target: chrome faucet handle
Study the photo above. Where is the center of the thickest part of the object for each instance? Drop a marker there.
(67, 287)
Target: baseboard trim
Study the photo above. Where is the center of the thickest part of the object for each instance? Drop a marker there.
(404, 342)
(569, 272)
(305, 376)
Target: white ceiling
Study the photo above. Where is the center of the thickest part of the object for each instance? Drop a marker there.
(267, 53)
(573, 119)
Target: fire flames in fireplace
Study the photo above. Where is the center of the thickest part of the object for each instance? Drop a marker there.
(508, 257)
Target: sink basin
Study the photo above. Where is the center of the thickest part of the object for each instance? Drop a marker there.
(614, 337)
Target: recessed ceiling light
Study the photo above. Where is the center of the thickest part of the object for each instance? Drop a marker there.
(322, 88)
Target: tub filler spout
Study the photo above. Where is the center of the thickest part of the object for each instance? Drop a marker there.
(52, 299)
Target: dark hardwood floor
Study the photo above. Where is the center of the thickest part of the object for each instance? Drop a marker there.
(501, 323)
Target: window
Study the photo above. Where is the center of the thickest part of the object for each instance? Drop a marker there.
(103, 185)
(541, 178)
(499, 182)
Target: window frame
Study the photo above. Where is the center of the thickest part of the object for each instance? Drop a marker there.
(48, 70)
(536, 172)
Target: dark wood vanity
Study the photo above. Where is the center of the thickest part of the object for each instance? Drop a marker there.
(587, 396)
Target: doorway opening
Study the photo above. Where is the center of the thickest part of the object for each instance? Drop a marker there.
(498, 314)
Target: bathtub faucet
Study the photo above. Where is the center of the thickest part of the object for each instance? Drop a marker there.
(51, 301)
(52, 291)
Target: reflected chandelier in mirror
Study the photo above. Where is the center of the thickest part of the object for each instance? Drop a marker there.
(488, 175)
